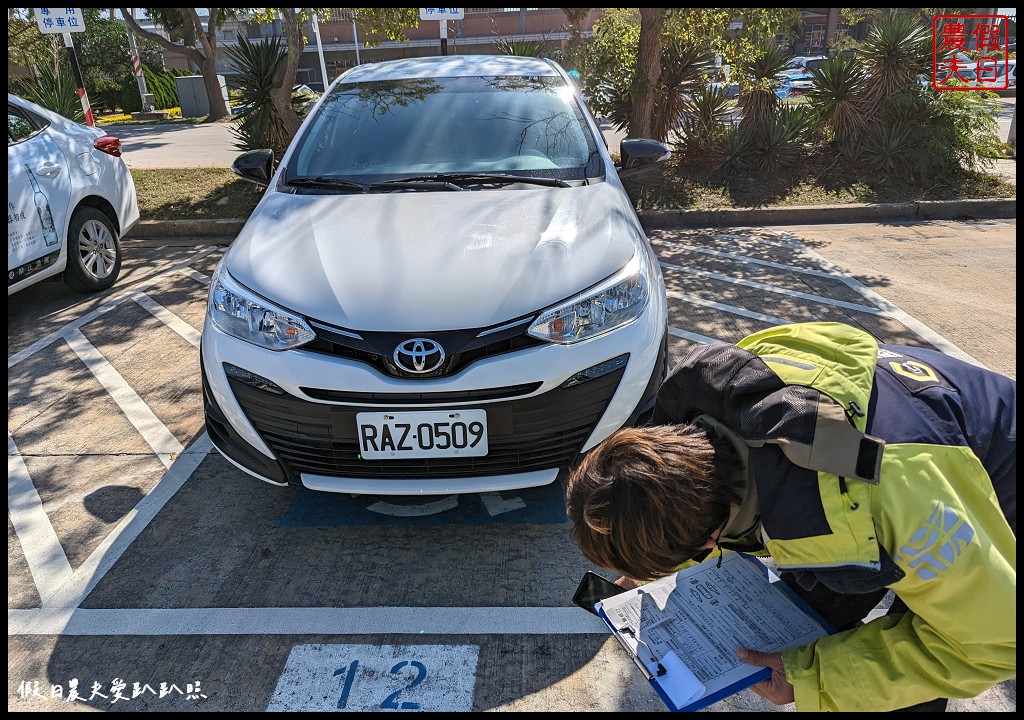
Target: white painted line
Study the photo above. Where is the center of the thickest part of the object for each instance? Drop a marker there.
(44, 554)
(101, 310)
(169, 319)
(909, 321)
(195, 275)
(88, 575)
(306, 621)
(154, 432)
(694, 300)
(771, 288)
(753, 261)
(686, 335)
(376, 678)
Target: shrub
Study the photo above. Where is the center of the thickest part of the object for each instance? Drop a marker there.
(55, 89)
(159, 84)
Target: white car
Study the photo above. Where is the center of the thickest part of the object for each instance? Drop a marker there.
(70, 198)
(444, 289)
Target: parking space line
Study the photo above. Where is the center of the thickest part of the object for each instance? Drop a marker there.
(771, 288)
(732, 309)
(154, 432)
(753, 261)
(195, 275)
(686, 335)
(909, 321)
(129, 294)
(306, 621)
(47, 562)
(72, 593)
(169, 319)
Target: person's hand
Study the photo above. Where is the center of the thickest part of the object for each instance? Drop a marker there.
(776, 688)
(628, 582)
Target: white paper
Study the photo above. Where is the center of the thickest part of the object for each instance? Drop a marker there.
(700, 616)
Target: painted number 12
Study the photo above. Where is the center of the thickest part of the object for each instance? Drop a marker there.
(391, 701)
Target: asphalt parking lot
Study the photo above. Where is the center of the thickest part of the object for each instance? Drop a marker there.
(146, 573)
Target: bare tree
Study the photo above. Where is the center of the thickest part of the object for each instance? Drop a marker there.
(199, 45)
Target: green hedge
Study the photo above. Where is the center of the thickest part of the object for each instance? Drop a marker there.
(159, 84)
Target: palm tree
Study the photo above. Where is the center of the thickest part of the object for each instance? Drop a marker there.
(895, 53)
(834, 97)
(759, 80)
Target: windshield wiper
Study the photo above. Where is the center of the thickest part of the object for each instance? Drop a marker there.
(327, 182)
(415, 184)
(485, 178)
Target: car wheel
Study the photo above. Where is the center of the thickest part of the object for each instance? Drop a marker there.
(94, 252)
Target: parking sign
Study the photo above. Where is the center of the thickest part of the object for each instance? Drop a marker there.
(59, 20)
(442, 13)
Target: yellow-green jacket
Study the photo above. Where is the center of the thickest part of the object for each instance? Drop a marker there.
(876, 467)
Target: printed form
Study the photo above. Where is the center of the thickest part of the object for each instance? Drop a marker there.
(685, 628)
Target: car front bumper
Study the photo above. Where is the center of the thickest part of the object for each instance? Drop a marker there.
(539, 417)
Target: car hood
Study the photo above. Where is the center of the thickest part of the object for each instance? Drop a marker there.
(431, 261)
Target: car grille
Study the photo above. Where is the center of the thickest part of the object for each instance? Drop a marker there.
(462, 347)
(533, 433)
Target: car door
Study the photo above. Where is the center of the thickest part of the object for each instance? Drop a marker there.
(38, 196)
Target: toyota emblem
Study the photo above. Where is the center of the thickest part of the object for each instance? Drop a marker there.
(419, 355)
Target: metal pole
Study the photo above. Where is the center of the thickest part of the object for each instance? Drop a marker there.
(320, 51)
(444, 36)
(355, 39)
(79, 80)
(140, 78)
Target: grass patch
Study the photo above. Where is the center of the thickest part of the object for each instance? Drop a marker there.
(217, 193)
(194, 194)
(817, 179)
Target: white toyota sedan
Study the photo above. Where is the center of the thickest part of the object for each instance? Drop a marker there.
(444, 289)
(70, 198)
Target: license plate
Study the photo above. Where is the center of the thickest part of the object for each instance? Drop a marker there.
(424, 434)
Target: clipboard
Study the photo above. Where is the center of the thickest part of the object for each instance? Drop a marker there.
(675, 635)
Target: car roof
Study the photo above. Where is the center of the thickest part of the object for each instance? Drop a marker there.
(450, 66)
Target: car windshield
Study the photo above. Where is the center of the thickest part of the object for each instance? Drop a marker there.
(395, 129)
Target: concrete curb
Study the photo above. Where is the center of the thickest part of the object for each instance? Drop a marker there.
(191, 231)
(147, 229)
(823, 214)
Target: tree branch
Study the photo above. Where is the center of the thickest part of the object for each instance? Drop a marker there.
(203, 38)
(190, 52)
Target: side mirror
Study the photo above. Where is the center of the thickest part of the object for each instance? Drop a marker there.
(256, 166)
(638, 155)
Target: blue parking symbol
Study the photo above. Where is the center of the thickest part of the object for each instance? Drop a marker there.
(541, 505)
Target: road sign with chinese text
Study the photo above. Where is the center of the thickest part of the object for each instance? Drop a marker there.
(442, 13)
(59, 20)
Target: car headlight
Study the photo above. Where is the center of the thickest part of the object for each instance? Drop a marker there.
(242, 314)
(617, 301)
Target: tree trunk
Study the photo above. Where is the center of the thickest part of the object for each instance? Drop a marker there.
(648, 72)
(281, 95)
(205, 58)
(214, 94)
(208, 40)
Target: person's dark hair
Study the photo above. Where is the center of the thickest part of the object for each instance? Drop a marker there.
(646, 499)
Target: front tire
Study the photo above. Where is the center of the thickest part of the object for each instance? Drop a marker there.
(94, 252)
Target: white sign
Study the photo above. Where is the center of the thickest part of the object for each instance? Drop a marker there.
(377, 678)
(442, 14)
(60, 20)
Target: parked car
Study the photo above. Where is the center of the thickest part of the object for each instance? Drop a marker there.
(803, 64)
(801, 82)
(999, 73)
(70, 199)
(956, 67)
(444, 288)
(729, 89)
